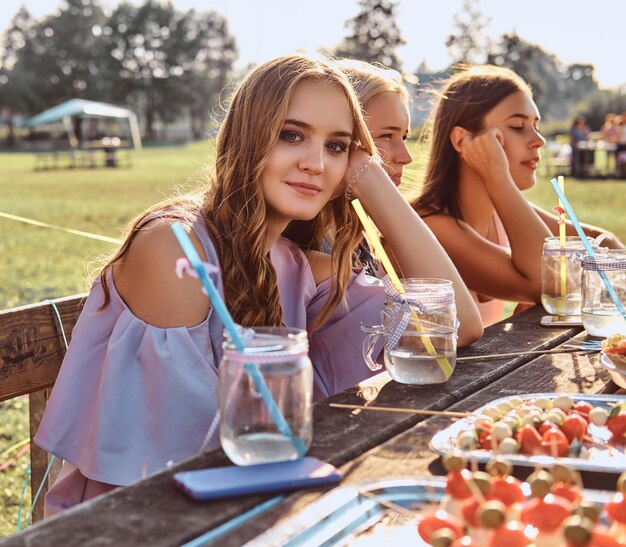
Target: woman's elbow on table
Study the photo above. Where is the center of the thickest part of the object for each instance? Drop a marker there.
(469, 333)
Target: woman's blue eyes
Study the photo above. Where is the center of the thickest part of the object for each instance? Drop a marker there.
(337, 146)
(295, 136)
(290, 136)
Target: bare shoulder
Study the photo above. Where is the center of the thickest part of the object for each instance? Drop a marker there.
(446, 226)
(321, 265)
(146, 279)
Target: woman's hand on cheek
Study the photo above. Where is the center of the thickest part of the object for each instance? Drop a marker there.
(358, 161)
(484, 152)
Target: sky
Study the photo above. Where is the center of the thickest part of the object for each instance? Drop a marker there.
(574, 30)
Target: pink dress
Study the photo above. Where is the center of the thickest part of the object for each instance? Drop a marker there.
(130, 397)
(491, 311)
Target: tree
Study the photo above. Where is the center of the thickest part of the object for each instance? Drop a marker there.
(599, 103)
(211, 69)
(162, 60)
(17, 94)
(66, 61)
(468, 45)
(374, 34)
(557, 89)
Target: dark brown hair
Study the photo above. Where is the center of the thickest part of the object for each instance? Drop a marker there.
(465, 100)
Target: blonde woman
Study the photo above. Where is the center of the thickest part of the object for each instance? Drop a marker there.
(385, 101)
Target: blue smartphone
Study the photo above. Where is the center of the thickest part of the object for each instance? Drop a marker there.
(224, 482)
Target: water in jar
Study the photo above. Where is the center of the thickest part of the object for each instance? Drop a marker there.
(255, 448)
(411, 362)
(275, 426)
(561, 276)
(558, 305)
(603, 322)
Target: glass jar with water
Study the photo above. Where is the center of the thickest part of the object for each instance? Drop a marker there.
(604, 292)
(561, 275)
(266, 395)
(420, 332)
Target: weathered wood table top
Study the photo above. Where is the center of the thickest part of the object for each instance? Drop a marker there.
(368, 445)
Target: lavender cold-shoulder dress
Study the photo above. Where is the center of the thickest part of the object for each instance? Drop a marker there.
(131, 397)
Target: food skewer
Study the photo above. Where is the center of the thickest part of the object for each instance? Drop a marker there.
(448, 413)
(515, 353)
(390, 505)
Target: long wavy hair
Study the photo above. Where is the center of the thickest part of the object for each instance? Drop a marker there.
(233, 205)
(464, 101)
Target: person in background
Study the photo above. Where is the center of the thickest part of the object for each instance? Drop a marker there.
(610, 131)
(610, 134)
(620, 152)
(484, 148)
(139, 384)
(578, 137)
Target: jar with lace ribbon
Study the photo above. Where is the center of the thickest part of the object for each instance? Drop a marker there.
(419, 332)
(561, 270)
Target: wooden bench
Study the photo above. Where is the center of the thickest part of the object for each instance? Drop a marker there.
(31, 351)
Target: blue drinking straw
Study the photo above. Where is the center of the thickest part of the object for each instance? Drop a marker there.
(588, 247)
(229, 324)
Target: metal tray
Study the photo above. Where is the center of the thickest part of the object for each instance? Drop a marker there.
(345, 516)
(600, 459)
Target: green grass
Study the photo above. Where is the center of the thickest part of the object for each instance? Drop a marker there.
(13, 430)
(40, 263)
(43, 263)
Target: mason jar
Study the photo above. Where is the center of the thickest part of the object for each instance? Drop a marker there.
(266, 395)
(561, 275)
(604, 292)
(420, 332)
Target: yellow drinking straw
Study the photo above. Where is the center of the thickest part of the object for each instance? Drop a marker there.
(375, 243)
(562, 241)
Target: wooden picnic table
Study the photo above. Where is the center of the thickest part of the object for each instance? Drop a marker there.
(367, 445)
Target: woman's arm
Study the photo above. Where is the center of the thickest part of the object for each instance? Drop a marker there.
(486, 267)
(417, 251)
(490, 269)
(146, 279)
(551, 221)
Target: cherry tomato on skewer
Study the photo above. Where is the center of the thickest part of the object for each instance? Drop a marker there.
(574, 427)
(436, 521)
(529, 440)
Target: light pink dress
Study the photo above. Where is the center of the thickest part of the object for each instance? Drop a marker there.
(131, 397)
(491, 311)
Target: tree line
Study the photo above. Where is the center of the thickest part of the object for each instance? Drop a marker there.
(163, 62)
(167, 64)
(561, 91)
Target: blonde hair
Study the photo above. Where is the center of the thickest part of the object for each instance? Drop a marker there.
(369, 80)
(233, 206)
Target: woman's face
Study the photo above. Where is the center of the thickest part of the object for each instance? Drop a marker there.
(310, 158)
(517, 118)
(387, 118)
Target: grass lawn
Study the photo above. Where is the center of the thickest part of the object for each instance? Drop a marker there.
(40, 263)
(43, 263)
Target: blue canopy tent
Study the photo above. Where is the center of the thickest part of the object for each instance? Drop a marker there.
(81, 108)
